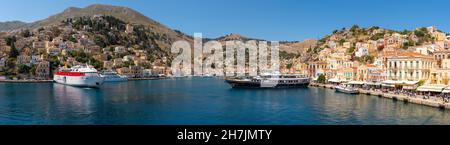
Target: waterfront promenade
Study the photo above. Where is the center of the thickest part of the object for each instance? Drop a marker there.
(416, 99)
(26, 81)
(50, 81)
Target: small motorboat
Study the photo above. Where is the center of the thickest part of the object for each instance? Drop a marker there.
(346, 88)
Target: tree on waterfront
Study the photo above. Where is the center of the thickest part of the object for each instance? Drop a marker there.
(321, 78)
(421, 82)
(54, 62)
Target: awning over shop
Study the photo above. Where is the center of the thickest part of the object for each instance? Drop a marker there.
(373, 84)
(431, 88)
(409, 87)
(446, 90)
(356, 83)
(334, 80)
(387, 85)
(410, 82)
(391, 82)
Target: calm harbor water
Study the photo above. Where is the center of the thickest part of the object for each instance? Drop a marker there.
(201, 101)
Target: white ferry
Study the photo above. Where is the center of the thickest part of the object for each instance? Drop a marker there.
(80, 76)
(112, 76)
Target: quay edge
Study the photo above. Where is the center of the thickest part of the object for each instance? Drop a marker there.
(404, 98)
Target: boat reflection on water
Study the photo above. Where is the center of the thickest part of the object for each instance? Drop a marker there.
(74, 101)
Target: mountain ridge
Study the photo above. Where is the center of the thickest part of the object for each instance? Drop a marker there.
(11, 25)
(124, 13)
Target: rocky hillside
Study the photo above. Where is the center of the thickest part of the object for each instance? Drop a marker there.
(288, 49)
(123, 13)
(298, 47)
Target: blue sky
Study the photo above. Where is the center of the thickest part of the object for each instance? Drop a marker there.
(266, 19)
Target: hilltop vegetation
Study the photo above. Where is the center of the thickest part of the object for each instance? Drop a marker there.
(356, 34)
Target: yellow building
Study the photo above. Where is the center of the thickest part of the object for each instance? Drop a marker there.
(439, 36)
(316, 68)
(363, 72)
(441, 75)
(301, 68)
(440, 55)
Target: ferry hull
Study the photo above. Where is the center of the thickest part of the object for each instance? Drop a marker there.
(115, 80)
(79, 81)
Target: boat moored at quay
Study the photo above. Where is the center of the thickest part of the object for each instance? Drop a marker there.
(112, 76)
(346, 88)
(79, 76)
(269, 81)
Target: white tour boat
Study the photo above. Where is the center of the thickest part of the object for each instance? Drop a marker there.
(112, 76)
